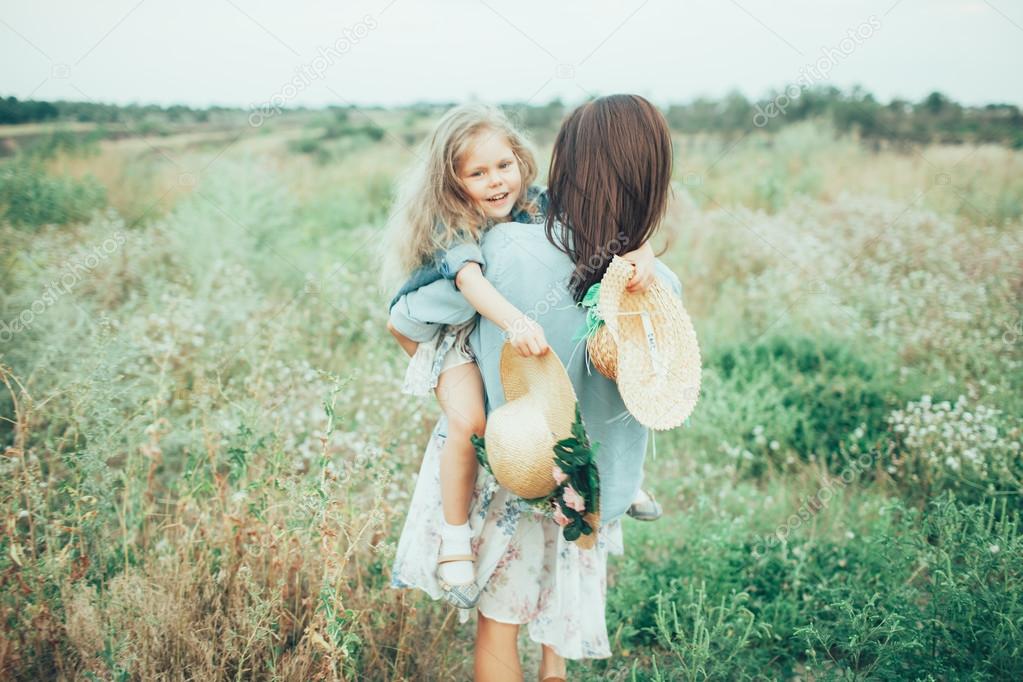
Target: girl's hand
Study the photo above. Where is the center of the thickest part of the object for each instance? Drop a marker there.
(526, 335)
(643, 258)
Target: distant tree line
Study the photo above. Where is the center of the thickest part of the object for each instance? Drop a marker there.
(13, 110)
(29, 111)
(935, 118)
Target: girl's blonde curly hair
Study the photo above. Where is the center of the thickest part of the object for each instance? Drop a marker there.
(432, 210)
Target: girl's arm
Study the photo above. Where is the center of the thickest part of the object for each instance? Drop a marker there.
(524, 333)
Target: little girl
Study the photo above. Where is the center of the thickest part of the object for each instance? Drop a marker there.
(477, 170)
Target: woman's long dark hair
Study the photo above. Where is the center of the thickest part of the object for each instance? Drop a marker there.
(608, 183)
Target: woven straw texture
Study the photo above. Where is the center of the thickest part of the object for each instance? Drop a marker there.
(603, 352)
(659, 388)
(539, 411)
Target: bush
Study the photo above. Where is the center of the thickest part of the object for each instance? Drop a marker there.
(30, 198)
(955, 612)
(338, 138)
(65, 141)
(916, 593)
(968, 448)
(819, 397)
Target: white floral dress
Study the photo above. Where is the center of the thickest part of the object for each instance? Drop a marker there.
(449, 348)
(532, 575)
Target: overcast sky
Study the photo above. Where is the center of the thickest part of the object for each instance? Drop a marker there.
(248, 52)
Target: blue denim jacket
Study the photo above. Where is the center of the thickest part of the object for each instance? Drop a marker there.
(534, 275)
(446, 264)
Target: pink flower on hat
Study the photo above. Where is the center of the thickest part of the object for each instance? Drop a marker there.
(559, 517)
(559, 475)
(574, 500)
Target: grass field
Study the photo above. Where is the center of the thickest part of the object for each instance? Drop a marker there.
(207, 460)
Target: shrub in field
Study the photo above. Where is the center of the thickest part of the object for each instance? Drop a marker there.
(178, 497)
(944, 308)
(348, 206)
(959, 446)
(240, 213)
(705, 640)
(251, 561)
(958, 607)
(912, 594)
(818, 397)
(63, 141)
(337, 140)
(30, 198)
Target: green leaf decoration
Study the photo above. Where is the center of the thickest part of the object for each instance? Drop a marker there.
(481, 451)
(576, 457)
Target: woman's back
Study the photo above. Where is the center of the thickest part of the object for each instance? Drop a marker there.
(534, 275)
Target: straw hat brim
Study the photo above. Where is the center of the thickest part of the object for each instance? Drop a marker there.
(658, 356)
(539, 411)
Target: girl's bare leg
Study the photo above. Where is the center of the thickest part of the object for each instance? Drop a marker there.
(460, 394)
(497, 652)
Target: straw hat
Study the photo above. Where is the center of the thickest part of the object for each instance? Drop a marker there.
(648, 345)
(539, 411)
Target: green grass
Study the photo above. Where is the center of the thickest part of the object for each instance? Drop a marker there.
(208, 460)
(29, 198)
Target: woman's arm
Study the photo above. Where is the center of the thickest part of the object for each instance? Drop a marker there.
(523, 332)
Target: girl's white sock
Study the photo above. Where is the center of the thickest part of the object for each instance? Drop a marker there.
(456, 540)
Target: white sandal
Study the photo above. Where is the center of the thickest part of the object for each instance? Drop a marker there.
(463, 595)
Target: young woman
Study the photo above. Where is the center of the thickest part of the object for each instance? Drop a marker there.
(476, 171)
(609, 182)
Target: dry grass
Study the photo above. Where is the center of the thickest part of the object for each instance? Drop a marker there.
(207, 460)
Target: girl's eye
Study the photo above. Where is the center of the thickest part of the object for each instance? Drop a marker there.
(506, 164)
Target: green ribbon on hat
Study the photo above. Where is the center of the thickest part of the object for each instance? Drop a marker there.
(593, 318)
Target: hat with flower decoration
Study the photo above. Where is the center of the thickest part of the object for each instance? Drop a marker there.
(536, 446)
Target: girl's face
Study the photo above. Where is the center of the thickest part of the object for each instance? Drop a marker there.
(490, 174)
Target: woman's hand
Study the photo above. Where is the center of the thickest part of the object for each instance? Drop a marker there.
(643, 258)
(526, 335)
